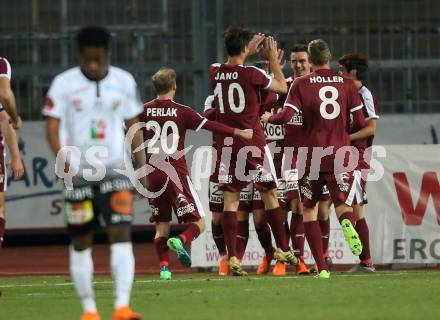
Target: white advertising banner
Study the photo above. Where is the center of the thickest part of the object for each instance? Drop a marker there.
(35, 201)
(403, 214)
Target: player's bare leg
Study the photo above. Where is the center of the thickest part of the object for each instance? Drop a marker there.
(297, 235)
(217, 235)
(162, 251)
(242, 233)
(347, 220)
(229, 221)
(366, 263)
(276, 218)
(122, 267)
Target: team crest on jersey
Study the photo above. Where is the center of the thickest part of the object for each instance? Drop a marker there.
(98, 130)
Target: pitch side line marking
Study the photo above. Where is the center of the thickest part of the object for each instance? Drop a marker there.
(211, 279)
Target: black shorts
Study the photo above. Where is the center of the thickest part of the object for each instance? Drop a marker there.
(109, 202)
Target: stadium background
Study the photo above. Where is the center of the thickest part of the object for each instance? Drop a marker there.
(401, 38)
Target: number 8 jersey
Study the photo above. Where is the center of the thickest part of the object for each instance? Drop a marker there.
(326, 100)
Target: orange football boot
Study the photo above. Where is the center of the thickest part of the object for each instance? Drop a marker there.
(125, 313)
(301, 268)
(279, 269)
(90, 316)
(223, 268)
(263, 268)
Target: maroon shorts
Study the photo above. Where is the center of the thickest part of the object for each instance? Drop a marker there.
(342, 190)
(183, 199)
(216, 199)
(258, 204)
(3, 173)
(245, 168)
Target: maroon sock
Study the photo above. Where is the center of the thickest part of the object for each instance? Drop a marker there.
(242, 237)
(313, 235)
(229, 221)
(275, 217)
(297, 233)
(160, 244)
(325, 234)
(348, 215)
(2, 230)
(192, 231)
(265, 237)
(217, 234)
(362, 230)
(287, 231)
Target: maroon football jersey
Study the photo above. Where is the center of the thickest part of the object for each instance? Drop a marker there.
(326, 100)
(294, 133)
(166, 124)
(370, 111)
(237, 91)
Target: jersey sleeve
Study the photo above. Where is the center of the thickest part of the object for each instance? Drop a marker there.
(193, 120)
(356, 109)
(370, 104)
(259, 78)
(55, 103)
(5, 68)
(293, 99)
(133, 106)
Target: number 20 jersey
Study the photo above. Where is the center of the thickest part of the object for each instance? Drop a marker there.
(325, 99)
(237, 95)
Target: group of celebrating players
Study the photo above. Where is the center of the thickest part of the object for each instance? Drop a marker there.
(298, 144)
(310, 148)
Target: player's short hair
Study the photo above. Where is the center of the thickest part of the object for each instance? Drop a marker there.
(319, 52)
(93, 37)
(236, 39)
(299, 47)
(262, 64)
(163, 80)
(355, 61)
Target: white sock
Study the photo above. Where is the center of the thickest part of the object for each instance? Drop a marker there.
(81, 271)
(122, 265)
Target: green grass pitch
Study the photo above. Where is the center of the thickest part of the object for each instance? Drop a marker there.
(385, 295)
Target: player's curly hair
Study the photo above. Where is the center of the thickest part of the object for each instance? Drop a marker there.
(236, 39)
(93, 36)
(355, 61)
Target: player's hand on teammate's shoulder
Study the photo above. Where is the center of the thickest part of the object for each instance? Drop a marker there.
(16, 168)
(245, 134)
(265, 117)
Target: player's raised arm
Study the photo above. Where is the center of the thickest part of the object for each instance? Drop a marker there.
(270, 50)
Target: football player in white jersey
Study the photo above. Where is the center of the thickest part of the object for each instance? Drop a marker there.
(91, 103)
